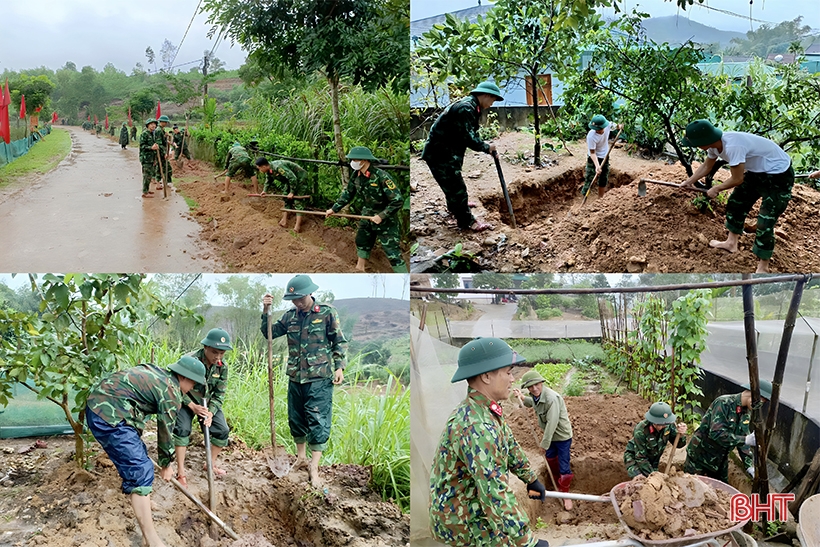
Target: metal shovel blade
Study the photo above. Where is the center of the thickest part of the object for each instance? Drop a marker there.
(280, 466)
(642, 188)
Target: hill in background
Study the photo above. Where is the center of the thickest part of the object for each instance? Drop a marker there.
(676, 30)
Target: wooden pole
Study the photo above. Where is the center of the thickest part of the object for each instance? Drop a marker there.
(270, 380)
(322, 213)
(209, 465)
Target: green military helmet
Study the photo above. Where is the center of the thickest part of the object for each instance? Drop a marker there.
(164, 118)
(299, 286)
(148, 122)
(217, 339)
(530, 378)
(488, 88)
(361, 153)
(765, 389)
(599, 121)
(484, 355)
(190, 368)
(660, 413)
(235, 143)
(701, 133)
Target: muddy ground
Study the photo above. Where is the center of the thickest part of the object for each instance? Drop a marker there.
(601, 426)
(661, 232)
(246, 232)
(49, 502)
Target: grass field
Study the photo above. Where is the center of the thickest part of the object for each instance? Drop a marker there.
(41, 158)
(545, 351)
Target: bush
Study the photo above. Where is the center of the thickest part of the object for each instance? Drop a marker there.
(547, 313)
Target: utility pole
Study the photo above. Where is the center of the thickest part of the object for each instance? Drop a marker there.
(205, 62)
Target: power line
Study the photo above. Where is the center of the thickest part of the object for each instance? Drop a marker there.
(178, 297)
(733, 14)
(186, 32)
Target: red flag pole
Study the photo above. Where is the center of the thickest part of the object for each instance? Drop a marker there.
(159, 111)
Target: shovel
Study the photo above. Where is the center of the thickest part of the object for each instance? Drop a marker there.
(275, 196)
(280, 466)
(504, 188)
(642, 186)
(209, 463)
(672, 453)
(323, 214)
(162, 175)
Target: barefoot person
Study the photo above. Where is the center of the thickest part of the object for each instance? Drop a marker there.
(649, 439)
(285, 177)
(455, 130)
(471, 501)
(316, 362)
(214, 346)
(760, 169)
(116, 412)
(148, 157)
(239, 160)
(553, 419)
(597, 150)
(381, 201)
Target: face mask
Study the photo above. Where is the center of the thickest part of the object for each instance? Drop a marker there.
(356, 165)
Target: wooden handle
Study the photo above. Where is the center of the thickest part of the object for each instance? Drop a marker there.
(323, 214)
(275, 196)
(672, 453)
(675, 185)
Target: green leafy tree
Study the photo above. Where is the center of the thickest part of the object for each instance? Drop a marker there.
(325, 297)
(86, 325)
(446, 281)
(243, 296)
(517, 40)
(191, 292)
(36, 89)
(142, 103)
(769, 39)
(493, 281)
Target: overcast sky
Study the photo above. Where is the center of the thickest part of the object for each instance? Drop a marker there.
(95, 32)
(765, 10)
(342, 285)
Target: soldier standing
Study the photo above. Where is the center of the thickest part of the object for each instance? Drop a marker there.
(133, 133)
(116, 412)
(643, 451)
(316, 362)
(382, 200)
(724, 427)
(162, 138)
(287, 178)
(181, 143)
(471, 502)
(123, 136)
(148, 157)
(453, 132)
(111, 129)
(553, 419)
(98, 129)
(214, 346)
(760, 170)
(239, 160)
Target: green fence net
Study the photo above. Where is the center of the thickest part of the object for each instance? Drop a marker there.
(26, 416)
(15, 149)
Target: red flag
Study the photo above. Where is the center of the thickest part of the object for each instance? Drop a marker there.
(38, 109)
(106, 120)
(53, 117)
(130, 121)
(5, 101)
(22, 106)
(89, 117)
(159, 111)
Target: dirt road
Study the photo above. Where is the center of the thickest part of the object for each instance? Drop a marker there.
(87, 215)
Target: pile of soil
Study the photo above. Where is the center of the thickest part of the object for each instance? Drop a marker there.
(661, 232)
(246, 230)
(55, 503)
(672, 506)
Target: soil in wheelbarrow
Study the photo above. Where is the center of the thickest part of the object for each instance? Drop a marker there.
(601, 426)
(246, 230)
(671, 506)
(661, 232)
(51, 502)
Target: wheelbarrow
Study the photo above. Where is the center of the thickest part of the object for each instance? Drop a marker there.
(808, 527)
(691, 541)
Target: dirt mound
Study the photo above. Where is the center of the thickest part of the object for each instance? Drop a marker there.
(246, 230)
(61, 505)
(673, 506)
(661, 232)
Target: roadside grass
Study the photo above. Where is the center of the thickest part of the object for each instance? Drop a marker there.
(191, 202)
(42, 158)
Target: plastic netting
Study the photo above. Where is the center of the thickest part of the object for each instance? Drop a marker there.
(15, 149)
(26, 416)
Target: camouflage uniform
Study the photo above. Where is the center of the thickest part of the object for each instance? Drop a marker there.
(589, 174)
(123, 136)
(133, 132)
(98, 129)
(161, 138)
(380, 196)
(723, 428)
(148, 159)
(776, 191)
(287, 177)
(124, 400)
(182, 147)
(557, 440)
(643, 451)
(239, 160)
(217, 378)
(471, 502)
(453, 132)
(111, 130)
(316, 349)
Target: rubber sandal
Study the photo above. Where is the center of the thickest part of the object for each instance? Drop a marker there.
(182, 479)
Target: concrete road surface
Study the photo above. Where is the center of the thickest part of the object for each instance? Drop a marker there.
(497, 321)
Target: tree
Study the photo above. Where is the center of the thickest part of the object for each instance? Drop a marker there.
(517, 40)
(769, 39)
(149, 54)
(337, 39)
(661, 84)
(446, 281)
(493, 281)
(190, 291)
(167, 53)
(69, 65)
(243, 296)
(37, 90)
(142, 103)
(86, 326)
(325, 297)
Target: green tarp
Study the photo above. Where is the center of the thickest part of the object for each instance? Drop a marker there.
(15, 149)
(26, 416)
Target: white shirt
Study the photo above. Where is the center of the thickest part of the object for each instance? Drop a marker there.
(599, 143)
(758, 153)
